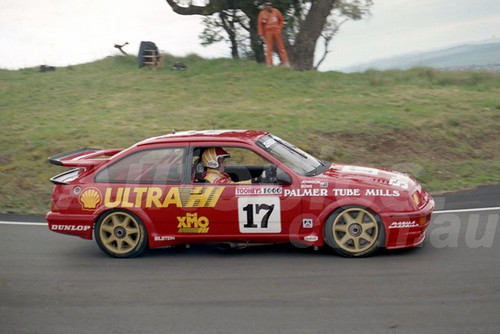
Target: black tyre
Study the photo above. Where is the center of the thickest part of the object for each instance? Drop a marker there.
(121, 234)
(354, 231)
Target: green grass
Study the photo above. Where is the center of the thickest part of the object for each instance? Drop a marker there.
(441, 126)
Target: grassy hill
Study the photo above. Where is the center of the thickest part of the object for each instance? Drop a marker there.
(441, 126)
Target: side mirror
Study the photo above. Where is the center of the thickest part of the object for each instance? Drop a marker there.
(282, 177)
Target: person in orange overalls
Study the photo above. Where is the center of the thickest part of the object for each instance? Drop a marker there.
(269, 26)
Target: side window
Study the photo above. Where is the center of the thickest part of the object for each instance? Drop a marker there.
(245, 157)
(241, 165)
(149, 166)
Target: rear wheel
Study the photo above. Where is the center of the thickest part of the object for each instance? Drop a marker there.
(354, 231)
(121, 234)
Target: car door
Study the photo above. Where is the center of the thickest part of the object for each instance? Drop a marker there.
(244, 210)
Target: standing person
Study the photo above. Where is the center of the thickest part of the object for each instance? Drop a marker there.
(269, 27)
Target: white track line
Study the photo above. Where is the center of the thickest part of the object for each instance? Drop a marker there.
(467, 210)
(22, 223)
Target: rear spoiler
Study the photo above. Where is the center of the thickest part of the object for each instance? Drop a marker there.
(84, 157)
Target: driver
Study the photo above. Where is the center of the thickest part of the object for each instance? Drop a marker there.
(213, 158)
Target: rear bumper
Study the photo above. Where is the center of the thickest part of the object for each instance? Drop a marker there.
(77, 225)
(408, 229)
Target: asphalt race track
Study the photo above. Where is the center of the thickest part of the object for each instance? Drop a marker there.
(52, 283)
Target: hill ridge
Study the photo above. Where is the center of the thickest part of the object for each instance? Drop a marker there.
(483, 55)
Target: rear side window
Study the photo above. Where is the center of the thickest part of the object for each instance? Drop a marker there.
(163, 166)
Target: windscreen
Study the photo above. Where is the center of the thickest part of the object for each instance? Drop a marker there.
(291, 156)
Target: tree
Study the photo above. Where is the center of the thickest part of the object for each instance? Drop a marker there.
(232, 23)
(341, 13)
(307, 21)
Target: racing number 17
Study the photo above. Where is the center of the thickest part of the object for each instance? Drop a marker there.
(249, 209)
(259, 214)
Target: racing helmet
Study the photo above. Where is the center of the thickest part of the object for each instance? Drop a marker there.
(211, 155)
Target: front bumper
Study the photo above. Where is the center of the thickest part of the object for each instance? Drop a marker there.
(407, 229)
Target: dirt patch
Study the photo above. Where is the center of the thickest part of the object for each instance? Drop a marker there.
(397, 146)
(5, 159)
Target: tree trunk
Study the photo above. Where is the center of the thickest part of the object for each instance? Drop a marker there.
(252, 12)
(228, 25)
(256, 43)
(302, 52)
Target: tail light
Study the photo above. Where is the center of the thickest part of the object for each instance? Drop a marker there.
(53, 206)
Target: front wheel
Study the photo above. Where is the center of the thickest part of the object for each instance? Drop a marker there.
(354, 231)
(120, 234)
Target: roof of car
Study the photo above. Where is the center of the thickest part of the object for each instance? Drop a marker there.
(207, 135)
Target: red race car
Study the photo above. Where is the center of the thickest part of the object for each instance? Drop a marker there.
(232, 188)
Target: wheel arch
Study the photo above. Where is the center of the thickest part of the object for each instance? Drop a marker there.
(131, 236)
(141, 214)
(335, 206)
(354, 240)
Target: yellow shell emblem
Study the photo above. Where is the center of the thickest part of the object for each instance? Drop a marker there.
(90, 198)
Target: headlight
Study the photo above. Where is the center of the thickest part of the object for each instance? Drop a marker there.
(416, 198)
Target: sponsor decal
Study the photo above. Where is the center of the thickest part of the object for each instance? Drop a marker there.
(269, 142)
(245, 191)
(191, 223)
(305, 192)
(346, 192)
(367, 192)
(400, 181)
(404, 224)
(164, 238)
(311, 238)
(382, 192)
(155, 197)
(307, 184)
(79, 228)
(307, 223)
(90, 199)
(360, 170)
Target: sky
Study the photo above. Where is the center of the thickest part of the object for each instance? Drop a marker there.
(62, 32)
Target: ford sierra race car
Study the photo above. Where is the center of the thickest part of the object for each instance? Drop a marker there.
(154, 194)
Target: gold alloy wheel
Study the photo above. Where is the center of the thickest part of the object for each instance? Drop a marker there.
(120, 233)
(355, 230)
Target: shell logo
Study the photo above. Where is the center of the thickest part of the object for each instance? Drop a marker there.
(90, 198)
